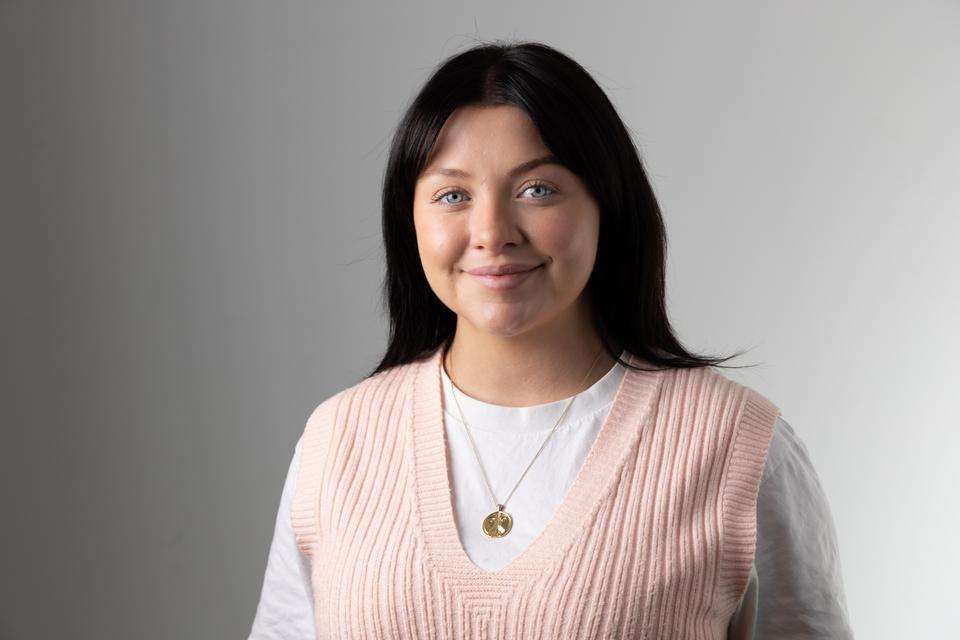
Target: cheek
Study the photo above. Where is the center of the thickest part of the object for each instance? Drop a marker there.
(571, 241)
(439, 244)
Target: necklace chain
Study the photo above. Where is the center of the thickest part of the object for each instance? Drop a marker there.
(501, 505)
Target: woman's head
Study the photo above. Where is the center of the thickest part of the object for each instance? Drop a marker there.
(490, 195)
(588, 217)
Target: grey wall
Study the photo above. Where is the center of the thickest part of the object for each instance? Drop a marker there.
(191, 261)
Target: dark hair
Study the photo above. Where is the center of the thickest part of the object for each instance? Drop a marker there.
(580, 126)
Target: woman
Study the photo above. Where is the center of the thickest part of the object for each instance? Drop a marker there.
(537, 456)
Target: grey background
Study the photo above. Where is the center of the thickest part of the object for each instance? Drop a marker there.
(191, 262)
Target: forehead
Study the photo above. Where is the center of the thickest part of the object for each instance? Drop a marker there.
(488, 136)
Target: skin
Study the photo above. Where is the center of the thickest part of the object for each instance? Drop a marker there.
(532, 344)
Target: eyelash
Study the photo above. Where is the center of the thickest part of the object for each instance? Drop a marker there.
(553, 191)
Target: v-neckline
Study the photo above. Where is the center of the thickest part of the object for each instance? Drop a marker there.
(626, 420)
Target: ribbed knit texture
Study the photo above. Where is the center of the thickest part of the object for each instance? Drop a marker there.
(654, 538)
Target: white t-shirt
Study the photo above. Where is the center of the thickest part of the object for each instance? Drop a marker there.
(795, 588)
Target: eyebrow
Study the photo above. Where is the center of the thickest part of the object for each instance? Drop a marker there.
(520, 168)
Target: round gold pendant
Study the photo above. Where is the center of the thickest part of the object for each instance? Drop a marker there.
(498, 523)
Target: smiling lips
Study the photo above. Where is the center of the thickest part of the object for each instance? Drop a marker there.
(500, 269)
(496, 278)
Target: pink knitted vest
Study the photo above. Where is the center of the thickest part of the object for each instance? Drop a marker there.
(654, 539)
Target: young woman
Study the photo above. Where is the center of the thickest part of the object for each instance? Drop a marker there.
(537, 456)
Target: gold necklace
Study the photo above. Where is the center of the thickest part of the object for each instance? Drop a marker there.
(499, 522)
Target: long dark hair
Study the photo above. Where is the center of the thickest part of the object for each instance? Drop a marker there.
(580, 126)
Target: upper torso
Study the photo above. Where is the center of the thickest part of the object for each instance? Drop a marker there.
(507, 439)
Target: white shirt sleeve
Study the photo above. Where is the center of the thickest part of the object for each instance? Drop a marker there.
(285, 610)
(795, 589)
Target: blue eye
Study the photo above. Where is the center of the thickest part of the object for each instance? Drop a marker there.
(448, 193)
(537, 185)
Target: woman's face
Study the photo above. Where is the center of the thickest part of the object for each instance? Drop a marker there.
(478, 203)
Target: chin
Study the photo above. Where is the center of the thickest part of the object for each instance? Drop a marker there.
(504, 324)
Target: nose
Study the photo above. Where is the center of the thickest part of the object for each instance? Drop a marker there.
(494, 222)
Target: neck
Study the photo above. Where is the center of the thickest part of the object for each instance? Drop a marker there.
(522, 371)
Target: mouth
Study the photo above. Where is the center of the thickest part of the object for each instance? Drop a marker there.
(506, 280)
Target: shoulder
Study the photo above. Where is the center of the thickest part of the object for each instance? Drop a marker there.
(737, 418)
(733, 408)
(743, 403)
(372, 389)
